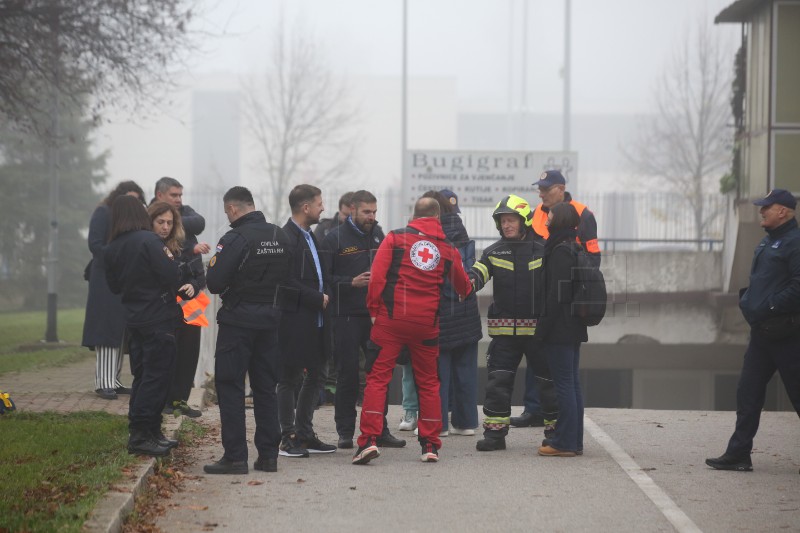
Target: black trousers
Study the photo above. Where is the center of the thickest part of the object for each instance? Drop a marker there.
(350, 338)
(255, 352)
(762, 358)
(503, 358)
(152, 355)
(188, 340)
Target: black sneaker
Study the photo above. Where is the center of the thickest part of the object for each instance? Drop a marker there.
(366, 453)
(731, 462)
(162, 440)
(106, 394)
(527, 419)
(226, 466)
(290, 448)
(491, 444)
(122, 390)
(266, 464)
(387, 440)
(345, 443)
(430, 454)
(314, 445)
(186, 410)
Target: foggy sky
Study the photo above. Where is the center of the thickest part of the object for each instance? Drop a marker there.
(618, 46)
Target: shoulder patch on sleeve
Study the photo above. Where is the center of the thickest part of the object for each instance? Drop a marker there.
(169, 254)
(213, 261)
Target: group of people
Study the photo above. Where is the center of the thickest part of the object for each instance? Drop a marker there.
(300, 307)
(120, 316)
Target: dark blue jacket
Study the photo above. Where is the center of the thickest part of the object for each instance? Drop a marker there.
(141, 268)
(349, 252)
(774, 276)
(459, 322)
(229, 264)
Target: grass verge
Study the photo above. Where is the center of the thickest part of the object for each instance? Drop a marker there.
(55, 467)
(168, 477)
(27, 328)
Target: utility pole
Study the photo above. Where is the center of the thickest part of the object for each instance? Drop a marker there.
(567, 74)
(404, 113)
(51, 334)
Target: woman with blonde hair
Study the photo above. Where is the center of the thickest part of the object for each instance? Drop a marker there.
(166, 220)
(167, 224)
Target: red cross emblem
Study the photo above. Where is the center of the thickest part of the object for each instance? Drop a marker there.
(424, 255)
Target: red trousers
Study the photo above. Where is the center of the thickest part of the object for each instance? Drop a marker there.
(423, 344)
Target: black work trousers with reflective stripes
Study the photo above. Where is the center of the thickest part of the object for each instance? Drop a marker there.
(152, 354)
(502, 360)
(255, 352)
(762, 358)
(350, 337)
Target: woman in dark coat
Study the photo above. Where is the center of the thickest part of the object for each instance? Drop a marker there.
(104, 324)
(561, 333)
(143, 270)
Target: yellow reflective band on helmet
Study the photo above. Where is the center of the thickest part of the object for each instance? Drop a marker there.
(501, 263)
(536, 263)
(481, 268)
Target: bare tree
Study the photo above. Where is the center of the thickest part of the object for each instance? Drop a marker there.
(300, 118)
(686, 143)
(99, 48)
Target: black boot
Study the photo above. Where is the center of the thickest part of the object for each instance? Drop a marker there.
(162, 440)
(527, 419)
(266, 464)
(490, 444)
(142, 442)
(226, 466)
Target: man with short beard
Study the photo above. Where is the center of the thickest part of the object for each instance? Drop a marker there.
(305, 333)
(349, 250)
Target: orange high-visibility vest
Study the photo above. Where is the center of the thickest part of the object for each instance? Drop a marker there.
(539, 226)
(194, 310)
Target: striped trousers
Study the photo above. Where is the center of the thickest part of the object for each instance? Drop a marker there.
(107, 368)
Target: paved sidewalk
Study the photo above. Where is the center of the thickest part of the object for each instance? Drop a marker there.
(642, 471)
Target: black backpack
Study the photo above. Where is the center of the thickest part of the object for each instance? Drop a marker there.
(589, 294)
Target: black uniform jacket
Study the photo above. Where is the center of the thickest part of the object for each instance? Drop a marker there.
(774, 276)
(141, 268)
(249, 295)
(348, 253)
(516, 267)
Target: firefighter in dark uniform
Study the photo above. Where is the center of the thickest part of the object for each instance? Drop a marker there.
(141, 268)
(249, 271)
(350, 248)
(771, 305)
(515, 263)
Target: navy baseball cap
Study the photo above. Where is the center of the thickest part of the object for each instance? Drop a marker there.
(452, 198)
(550, 178)
(778, 196)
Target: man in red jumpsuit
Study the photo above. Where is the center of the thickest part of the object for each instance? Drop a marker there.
(405, 285)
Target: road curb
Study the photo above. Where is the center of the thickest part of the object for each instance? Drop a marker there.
(110, 511)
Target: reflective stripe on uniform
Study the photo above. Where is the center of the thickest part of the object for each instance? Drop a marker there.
(510, 330)
(481, 268)
(536, 263)
(501, 263)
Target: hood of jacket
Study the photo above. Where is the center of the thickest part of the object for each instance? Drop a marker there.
(428, 226)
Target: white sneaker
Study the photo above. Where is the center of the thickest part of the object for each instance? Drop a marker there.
(409, 421)
(442, 434)
(465, 432)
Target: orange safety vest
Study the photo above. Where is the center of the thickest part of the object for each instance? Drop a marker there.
(194, 310)
(539, 225)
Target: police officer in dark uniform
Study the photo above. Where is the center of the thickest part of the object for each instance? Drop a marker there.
(771, 305)
(248, 270)
(141, 268)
